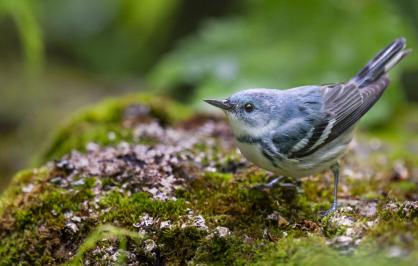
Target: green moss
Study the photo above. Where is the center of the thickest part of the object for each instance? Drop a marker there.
(235, 204)
(126, 210)
(314, 251)
(23, 217)
(397, 227)
(22, 178)
(100, 233)
(231, 250)
(224, 200)
(218, 177)
(49, 208)
(180, 245)
(32, 225)
(330, 229)
(317, 193)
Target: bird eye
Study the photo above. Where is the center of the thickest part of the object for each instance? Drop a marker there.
(249, 107)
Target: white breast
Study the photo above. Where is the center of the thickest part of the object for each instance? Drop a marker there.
(254, 154)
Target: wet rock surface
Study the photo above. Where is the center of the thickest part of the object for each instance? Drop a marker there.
(180, 193)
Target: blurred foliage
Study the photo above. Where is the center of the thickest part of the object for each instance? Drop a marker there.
(409, 8)
(282, 44)
(111, 36)
(22, 13)
(115, 37)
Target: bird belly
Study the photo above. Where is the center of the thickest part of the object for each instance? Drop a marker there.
(253, 153)
(316, 162)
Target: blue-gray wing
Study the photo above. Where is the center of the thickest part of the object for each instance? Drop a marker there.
(342, 105)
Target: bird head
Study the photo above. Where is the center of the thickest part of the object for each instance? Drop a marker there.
(248, 111)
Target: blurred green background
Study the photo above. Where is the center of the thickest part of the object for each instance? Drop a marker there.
(57, 56)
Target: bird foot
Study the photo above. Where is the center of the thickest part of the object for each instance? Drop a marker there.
(275, 182)
(333, 208)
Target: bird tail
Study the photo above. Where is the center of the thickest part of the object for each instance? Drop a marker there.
(381, 63)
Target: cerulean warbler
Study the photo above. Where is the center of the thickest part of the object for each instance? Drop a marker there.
(304, 130)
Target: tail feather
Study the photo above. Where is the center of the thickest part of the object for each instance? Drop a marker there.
(381, 63)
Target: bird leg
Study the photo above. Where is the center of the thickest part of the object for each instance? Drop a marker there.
(335, 168)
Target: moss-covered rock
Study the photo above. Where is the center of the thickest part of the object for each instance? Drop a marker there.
(142, 180)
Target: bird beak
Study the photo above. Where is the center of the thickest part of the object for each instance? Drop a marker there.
(223, 104)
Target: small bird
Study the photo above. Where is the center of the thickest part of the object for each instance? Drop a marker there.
(304, 130)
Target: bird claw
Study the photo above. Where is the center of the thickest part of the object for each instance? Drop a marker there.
(273, 184)
(333, 208)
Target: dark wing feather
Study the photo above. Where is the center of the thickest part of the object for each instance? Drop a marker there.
(343, 105)
(348, 112)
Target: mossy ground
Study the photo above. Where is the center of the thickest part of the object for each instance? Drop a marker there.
(198, 205)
